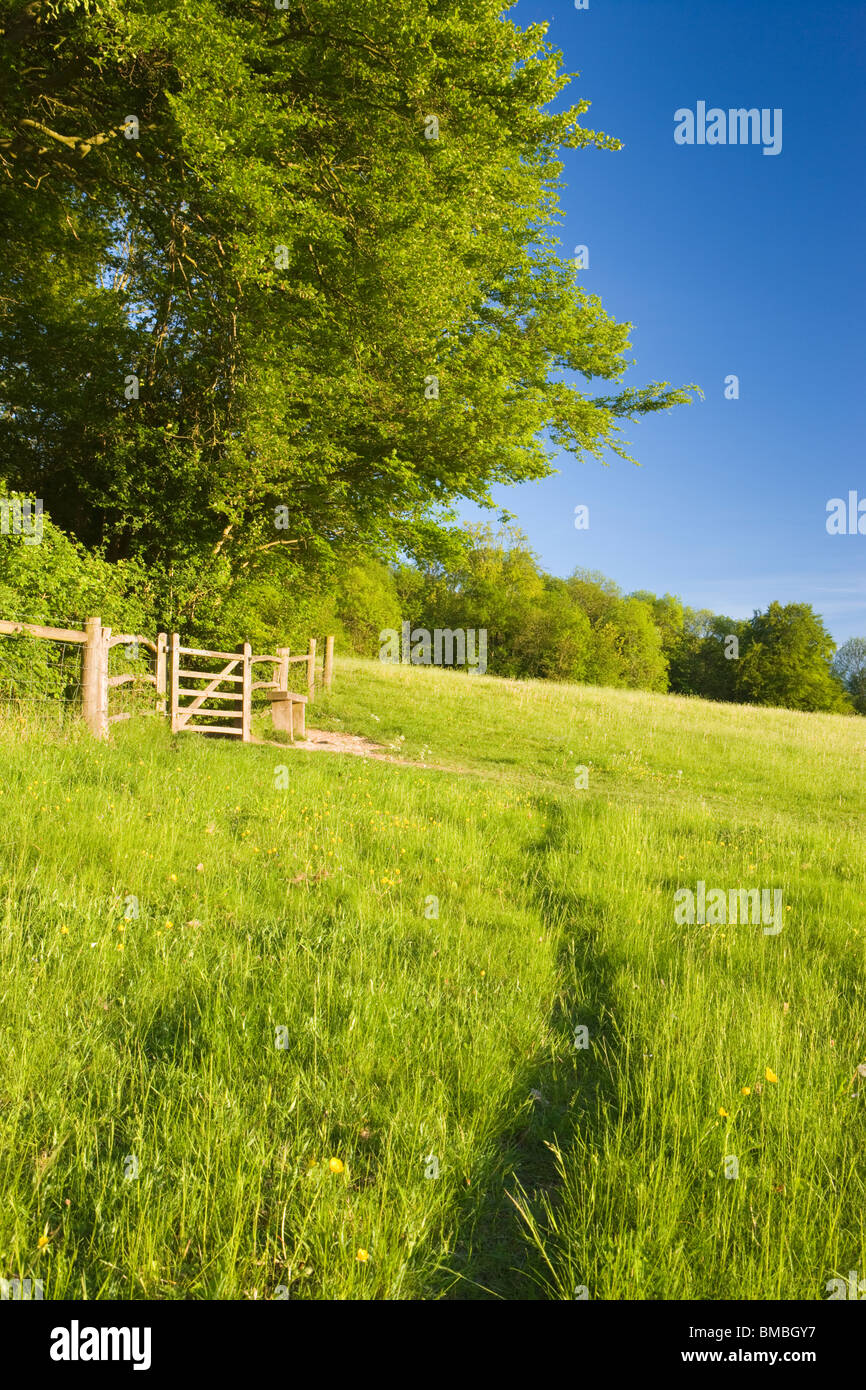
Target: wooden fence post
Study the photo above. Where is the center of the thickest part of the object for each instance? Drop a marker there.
(175, 679)
(311, 670)
(91, 679)
(161, 653)
(247, 688)
(328, 669)
(282, 672)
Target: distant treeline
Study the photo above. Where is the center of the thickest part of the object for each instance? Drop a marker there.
(582, 629)
(586, 629)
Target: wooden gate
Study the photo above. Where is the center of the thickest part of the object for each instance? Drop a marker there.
(236, 670)
(209, 701)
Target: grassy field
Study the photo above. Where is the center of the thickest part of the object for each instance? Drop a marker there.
(324, 1042)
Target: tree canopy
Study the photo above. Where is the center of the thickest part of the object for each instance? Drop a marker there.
(788, 661)
(286, 279)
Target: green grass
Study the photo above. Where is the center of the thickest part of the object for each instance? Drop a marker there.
(411, 1036)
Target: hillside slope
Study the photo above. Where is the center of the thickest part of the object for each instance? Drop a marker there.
(324, 1040)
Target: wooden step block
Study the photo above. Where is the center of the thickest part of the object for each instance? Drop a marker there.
(288, 712)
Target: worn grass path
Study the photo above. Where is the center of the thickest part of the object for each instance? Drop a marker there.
(212, 986)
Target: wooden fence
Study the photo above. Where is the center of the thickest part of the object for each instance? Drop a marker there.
(97, 642)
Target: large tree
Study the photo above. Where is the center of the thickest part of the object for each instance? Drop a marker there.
(285, 258)
(788, 661)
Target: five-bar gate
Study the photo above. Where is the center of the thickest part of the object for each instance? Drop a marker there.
(221, 701)
(233, 714)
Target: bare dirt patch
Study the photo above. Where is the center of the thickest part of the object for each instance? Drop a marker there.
(329, 741)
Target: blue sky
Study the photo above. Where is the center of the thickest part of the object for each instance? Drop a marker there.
(726, 261)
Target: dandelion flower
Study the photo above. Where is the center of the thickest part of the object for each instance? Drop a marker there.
(42, 1242)
(723, 1112)
(746, 1091)
(363, 1256)
(64, 931)
(335, 1165)
(770, 1075)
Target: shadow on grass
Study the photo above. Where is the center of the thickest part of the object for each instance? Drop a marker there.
(493, 1259)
